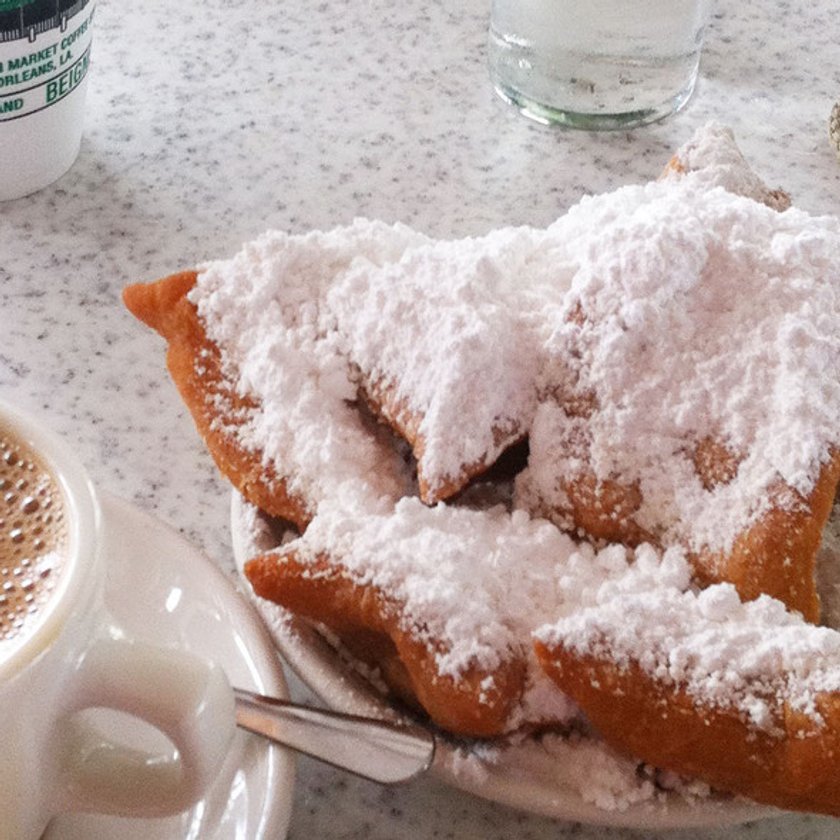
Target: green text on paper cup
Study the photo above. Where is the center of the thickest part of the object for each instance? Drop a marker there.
(11, 5)
(38, 72)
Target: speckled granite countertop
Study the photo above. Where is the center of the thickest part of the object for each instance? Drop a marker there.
(209, 122)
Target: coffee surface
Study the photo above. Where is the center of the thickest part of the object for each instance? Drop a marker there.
(33, 535)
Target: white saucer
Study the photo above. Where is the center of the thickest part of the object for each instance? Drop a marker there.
(162, 590)
(540, 777)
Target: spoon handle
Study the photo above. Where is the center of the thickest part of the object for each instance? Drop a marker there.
(378, 750)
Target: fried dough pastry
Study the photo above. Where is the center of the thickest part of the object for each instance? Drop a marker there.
(714, 156)
(635, 714)
(611, 461)
(439, 349)
(218, 409)
(742, 696)
(478, 703)
(430, 586)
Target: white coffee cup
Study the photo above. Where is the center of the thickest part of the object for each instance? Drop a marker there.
(44, 59)
(73, 658)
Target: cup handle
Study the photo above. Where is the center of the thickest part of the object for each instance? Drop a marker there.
(188, 700)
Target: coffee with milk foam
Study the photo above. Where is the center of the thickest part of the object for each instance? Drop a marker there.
(34, 536)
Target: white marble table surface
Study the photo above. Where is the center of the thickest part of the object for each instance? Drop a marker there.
(211, 121)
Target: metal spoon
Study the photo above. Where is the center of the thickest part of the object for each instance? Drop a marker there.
(378, 750)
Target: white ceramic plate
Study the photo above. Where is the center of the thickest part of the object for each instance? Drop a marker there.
(541, 777)
(161, 590)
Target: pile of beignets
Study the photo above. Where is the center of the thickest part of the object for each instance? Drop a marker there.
(569, 478)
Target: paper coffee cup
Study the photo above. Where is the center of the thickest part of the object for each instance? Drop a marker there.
(44, 59)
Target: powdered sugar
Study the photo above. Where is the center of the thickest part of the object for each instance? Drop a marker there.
(578, 765)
